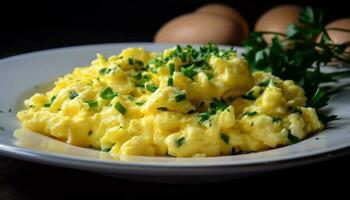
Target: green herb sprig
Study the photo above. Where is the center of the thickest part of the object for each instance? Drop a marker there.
(298, 55)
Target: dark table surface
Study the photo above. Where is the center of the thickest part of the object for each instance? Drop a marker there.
(25, 180)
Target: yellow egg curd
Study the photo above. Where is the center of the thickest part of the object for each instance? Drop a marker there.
(183, 102)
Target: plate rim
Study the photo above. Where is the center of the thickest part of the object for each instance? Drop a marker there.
(12, 151)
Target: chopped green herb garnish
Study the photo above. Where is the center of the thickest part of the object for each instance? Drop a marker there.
(170, 81)
(162, 108)
(138, 63)
(294, 109)
(180, 141)
(151, 88)
(90, 132)
(131, 98)
(180, 97)
(50, 102)
(141, 79)
(108, 93)
(140, 103)
(292, 138)
(250, 95)
(73, 94)
(202, 117)
(130, 61)
(189, 71)
(108, 149)
(104, 71)
(276, 119)
(92, 103)
(296, 55)
(216, 105)
(209, 75)
(225, 138)
(171, 69)
(250, 114)
(120, 108)
(265, 83)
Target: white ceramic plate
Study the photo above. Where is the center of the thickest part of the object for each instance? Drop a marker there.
(25, 74)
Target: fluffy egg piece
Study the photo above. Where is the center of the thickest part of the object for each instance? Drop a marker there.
(200, 28)
(227, 11)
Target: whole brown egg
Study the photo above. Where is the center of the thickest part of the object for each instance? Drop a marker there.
(277, 19)
(339, 36)
(227, 11)
(200, 28)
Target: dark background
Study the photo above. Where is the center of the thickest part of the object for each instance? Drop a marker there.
(32, 25)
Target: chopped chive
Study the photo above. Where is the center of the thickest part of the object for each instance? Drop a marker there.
(276, 119)
(217, 104)
(131, 98)
(73, 94)
(162, 108)
(151, 88)
(104, 71)
(209, 75)
(170, 81)
(131, 61)
(293, 139)
(50, 102)
(139, 103)
(180, 97)
(294, 109)
(108, 93)
(139, 62)
(265, 83)
(180, 141)
(171, 69)
(120, 108)
(250, 113)
(108, 149)
(189, 71)
(225, 138)
(249, 95)
(202, 117)
(92, 103)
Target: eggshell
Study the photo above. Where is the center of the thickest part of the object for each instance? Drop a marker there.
(200, 28)
(227, 11)
(277, 19)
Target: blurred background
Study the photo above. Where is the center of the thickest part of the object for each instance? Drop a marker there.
(35, 25)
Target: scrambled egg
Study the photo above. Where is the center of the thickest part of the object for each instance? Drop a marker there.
(183, 102)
